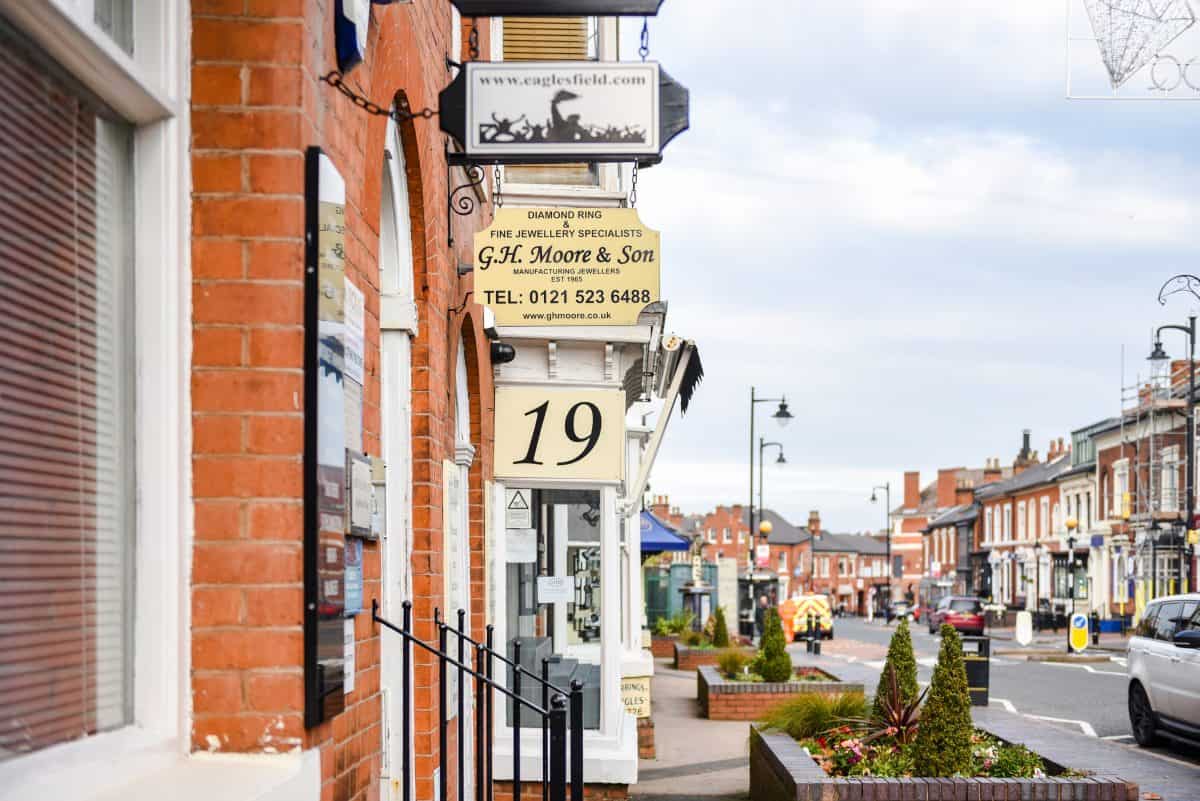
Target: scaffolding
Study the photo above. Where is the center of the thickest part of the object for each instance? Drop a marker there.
(1147, 491)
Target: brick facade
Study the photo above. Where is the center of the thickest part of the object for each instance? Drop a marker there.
(257, 104)
(692, 658)
(727, 700)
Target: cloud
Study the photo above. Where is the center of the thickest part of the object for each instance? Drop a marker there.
(786, 183)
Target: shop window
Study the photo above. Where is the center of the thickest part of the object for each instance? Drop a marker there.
(553, 604)
(66, 409)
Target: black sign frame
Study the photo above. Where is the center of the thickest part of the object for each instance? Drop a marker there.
(673, 119)
(558, 8)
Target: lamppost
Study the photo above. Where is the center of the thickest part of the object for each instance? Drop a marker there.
(887, 501)
(780, 460)
(1072, 524)
(781, 416)
(1037, 582)
(1190, 284)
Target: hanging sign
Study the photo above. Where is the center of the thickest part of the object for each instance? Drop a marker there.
(557, 8)
(546, 112)
(557, 266)
(559, 433)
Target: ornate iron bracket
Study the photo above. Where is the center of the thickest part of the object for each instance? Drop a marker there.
(1183, 282)
(461, 199)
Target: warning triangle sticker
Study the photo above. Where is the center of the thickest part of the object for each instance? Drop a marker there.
(518, 501)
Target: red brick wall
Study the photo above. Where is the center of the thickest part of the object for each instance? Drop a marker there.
(692, 658)
(726, 517)
(256, 106)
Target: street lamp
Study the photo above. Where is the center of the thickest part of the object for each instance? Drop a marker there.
(1191, 284)
(1072, 525)
(887, 495)
(781, 416)
(761, 447)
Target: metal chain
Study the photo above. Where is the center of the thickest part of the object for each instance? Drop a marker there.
(473, 40)
(633, 187)
(497, 194)
(400, 114)
(644, 49)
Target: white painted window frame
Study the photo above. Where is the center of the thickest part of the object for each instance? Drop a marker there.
(150, 91)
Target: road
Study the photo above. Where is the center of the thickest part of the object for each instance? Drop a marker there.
(1082, 697)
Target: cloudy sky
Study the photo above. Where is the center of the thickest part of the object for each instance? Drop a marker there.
(890, 212)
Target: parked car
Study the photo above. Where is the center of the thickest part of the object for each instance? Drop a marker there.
(963, 612)
(1164, 671)
(900, 610)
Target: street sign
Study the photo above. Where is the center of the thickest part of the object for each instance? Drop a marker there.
(557, 8)
(1024, 632)
(544, 433)
(1079, 632)
(559, 266)
(546, 112)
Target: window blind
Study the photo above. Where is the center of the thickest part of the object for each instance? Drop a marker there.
(66, 408)
(548, 39)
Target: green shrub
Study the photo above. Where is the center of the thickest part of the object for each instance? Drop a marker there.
(680, 622)
(692, 639)
(811, 714)
(773, 662)
(1016, 762)
(662, 627)
(943, 746)
(901, 659)
(720, 636)
(732, 663)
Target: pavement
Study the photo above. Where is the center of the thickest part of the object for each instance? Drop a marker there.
(1077, 706)
(696, 758)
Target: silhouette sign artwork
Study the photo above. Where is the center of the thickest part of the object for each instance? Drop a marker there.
(563, 111)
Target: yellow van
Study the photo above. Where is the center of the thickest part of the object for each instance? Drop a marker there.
(799, 608)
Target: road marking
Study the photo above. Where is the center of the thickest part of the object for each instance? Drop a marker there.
(1120, 660)
(1089, 669)
(852, 659)
(927, 661)
(875, 663)
(1004, 702)
(1082, 724)
(1117, 737)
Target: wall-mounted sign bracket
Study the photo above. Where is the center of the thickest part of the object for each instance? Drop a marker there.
(558, 8)
(464, 198)
(562, 112)
(400, 112)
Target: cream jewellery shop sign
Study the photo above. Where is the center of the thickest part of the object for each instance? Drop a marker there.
(544, 266)
(562, 111)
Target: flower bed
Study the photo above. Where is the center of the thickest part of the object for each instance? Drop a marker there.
(722, 698)
(690, 657)
(781, 768)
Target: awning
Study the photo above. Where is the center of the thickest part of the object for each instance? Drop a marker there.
(656, 537)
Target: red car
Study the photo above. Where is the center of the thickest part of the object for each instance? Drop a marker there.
(963, 612)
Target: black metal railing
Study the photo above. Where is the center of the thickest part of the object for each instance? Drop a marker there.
(560, 712)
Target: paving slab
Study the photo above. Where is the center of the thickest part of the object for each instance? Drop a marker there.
(696, 758)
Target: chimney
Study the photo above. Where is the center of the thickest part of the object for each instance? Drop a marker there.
(814, 522)
(912, 489)
(1026, 456)
(964, 492)
(992, 471)
(660, 508)
(1025, 441)
(946, 485)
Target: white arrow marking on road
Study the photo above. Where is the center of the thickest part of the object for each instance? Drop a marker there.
(1082, 724)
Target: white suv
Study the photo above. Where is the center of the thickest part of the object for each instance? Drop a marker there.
(1164, 670)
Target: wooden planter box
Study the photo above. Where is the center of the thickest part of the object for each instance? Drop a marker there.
(691, 658)
(663, 647)
(780, 770)
(721, 699)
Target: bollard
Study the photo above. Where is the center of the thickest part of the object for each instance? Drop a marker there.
(816, 644)
(808, 645)
(1095, 628)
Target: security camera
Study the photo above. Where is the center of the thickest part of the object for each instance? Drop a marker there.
(503, 353)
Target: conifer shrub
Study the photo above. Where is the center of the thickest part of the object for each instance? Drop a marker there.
(943, 745)
(720, 637)
(900, 658)
(773, 662)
